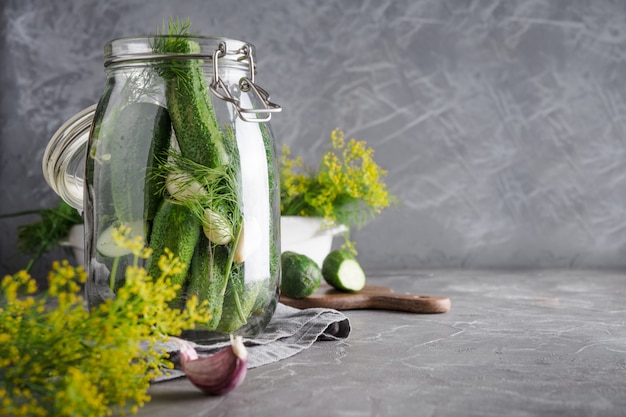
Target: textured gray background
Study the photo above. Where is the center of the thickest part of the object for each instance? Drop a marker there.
(501, 122)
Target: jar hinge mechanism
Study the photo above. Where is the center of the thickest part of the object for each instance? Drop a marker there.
(246, 85)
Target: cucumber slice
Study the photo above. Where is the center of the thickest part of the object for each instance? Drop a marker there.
(342, 271)
(106, 246)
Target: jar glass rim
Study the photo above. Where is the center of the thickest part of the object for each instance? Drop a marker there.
(134, 48)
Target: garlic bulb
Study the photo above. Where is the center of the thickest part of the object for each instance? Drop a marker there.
(219, 373)
(216, 227)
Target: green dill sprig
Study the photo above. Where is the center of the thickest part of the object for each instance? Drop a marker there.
(219, 186)
(45, 234)
(172, 37)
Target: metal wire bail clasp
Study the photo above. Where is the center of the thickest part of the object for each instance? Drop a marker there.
(246, 85)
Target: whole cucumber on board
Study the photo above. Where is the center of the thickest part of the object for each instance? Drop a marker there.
(138, 141)
(177, 229)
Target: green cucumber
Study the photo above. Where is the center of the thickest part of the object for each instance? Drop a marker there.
(202, 141)
(207, 277)
(239, 301)
(140, 139)
(301, 275)
(177, 229)
(342, 271)
(198, 134)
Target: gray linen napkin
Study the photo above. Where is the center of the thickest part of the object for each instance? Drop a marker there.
(289, 331)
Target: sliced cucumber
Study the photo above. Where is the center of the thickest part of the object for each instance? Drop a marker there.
(342, 271)
(106, 246)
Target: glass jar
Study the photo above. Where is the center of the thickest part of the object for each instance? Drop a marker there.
(179, 153)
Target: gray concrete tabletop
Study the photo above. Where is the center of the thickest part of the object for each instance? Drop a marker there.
(514, 343)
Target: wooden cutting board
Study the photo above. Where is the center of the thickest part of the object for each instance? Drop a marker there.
(370, 297)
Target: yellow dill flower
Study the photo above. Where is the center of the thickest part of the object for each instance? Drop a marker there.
(347, 188)
(78, 362)
(169, 264)
(122, 237)
(336, 137)
(81, 395)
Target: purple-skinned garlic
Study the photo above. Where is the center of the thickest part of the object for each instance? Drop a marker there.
(218, 373)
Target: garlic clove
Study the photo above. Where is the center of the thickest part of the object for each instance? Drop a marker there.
(186, 350)
(249, 241)
(216, 227)
(182, 187)
(219, 373)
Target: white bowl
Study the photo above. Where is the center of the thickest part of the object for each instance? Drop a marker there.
(308, 236)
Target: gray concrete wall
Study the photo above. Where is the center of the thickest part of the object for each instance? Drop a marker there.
(502, 123)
